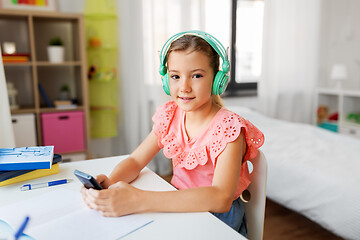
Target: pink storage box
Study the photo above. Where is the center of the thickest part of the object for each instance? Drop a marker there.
(64, 130)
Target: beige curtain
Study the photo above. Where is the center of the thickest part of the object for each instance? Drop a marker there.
(6, 130)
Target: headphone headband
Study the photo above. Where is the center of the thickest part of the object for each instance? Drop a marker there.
(215, 44)
(221, 78)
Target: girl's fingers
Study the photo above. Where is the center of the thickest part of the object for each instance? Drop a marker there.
(112, 202)
(97, 201)
(97, 193)
(108, 214)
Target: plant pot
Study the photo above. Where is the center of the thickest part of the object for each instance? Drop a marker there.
(55, 54)
(64, 95)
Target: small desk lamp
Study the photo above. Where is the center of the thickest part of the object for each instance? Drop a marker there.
(338, 73)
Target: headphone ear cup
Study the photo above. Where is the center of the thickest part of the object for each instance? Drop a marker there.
(165, 83)
(162, 70)
(221, 81)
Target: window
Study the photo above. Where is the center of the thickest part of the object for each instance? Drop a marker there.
(246, 46)
(164, 18)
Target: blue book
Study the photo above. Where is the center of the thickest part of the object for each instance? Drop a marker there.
(43, 94)
(5, 175)
(25, 158)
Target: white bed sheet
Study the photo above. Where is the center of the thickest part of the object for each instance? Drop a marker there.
(312, 171)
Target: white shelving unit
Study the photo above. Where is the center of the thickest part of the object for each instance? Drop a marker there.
(345, 103)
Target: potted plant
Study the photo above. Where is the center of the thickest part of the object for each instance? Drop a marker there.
(56, 50)
(64, 92)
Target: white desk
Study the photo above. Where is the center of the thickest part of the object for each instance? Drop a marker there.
(165, 225)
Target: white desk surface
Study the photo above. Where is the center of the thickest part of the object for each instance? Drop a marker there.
(165, 226)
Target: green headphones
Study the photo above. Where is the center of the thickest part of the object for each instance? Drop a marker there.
(221, 79)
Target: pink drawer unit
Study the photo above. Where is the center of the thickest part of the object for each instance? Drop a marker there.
(64, 130)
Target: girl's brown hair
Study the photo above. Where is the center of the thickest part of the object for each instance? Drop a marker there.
(194, 43)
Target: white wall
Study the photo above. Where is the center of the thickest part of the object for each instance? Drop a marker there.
(340, 41)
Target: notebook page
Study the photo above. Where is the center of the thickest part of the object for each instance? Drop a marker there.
(61, 214)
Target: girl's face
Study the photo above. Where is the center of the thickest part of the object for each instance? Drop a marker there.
(190, 79)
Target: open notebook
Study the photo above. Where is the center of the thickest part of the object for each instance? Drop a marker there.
(61, 214)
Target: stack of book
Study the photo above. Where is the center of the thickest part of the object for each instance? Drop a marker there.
(64, 104)
(16, 57)
(22, 164)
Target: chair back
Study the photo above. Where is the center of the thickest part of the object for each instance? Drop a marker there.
(255, 207)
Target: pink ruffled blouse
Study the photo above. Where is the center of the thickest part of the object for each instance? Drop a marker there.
(190, 157)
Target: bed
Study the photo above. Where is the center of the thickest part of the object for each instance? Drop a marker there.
(312, 171)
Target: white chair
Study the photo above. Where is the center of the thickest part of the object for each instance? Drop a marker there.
(255, 207)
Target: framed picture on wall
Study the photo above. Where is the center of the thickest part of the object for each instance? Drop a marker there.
(35, 5)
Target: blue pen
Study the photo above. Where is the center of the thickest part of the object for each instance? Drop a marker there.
(22, 228)
(46, 184)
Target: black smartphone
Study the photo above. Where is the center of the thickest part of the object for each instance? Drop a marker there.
(88, 180)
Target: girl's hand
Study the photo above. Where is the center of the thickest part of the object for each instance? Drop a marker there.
(118, 200)
(103, 180)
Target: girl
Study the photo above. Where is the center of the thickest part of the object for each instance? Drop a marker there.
(208, 144)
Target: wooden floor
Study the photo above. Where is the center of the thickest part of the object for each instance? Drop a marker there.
(284, 224)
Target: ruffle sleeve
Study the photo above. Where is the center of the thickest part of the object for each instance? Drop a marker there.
(162, 119)
(254, 140)
(228, 130)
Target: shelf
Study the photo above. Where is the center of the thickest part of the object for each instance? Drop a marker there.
(350, 130)
(23, 110)
(37, 14)
(329, 91)
(17, 64)
(338, 92)
(343, 102)
(348, 124)
(31, 32)
(42, 64)
(351, 93)
(66, 64)
(47, 110)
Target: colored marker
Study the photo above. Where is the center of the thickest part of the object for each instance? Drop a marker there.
(27, 187)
